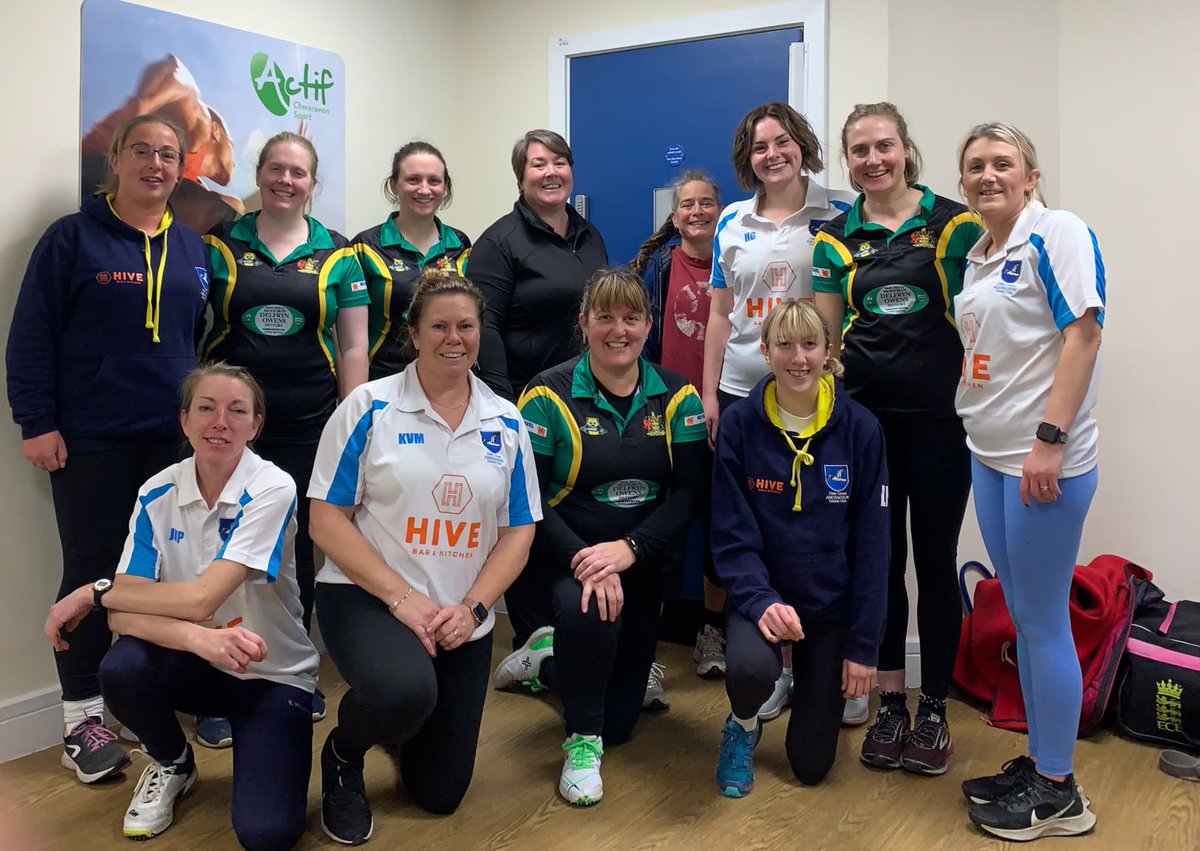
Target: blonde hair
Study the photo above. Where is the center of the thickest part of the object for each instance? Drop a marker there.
(295, 138)
(112, 183)
(612, 288)
(1004, 132)
(799, 322)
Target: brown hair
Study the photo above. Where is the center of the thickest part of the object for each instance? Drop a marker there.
(1004, 132)
(112, 182)
(888, 111)
(437, 282)
(668, 231)
(793, 123)
(520, 152)
(406, 151)
(799, 321)
(221, 369)
(611, 288)
(288, 136)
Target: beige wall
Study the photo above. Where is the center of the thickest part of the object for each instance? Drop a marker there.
(1104, 87)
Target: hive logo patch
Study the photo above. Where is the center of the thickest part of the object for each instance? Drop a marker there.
(779, 276)
(135, 278)
(763, 485)
(443, 537)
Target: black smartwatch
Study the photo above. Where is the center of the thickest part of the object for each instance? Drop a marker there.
(99, 589)
(1048, 433)
(478, 611)
(633, 545)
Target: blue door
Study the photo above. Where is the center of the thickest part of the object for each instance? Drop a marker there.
(639, 117)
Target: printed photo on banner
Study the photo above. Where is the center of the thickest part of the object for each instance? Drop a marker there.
(229, 90)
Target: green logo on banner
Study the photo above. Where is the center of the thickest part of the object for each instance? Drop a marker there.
(626, 493)
(895, 299)
(280, 91)
(273, 320)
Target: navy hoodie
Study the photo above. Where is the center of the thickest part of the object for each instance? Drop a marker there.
(104, 330)
(819, 541)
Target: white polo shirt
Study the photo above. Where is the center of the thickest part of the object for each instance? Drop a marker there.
(1011, 315)
(765, 264)
(174, 536)
(431, 500)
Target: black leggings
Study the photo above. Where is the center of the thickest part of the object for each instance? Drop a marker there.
(296, 459)
(602, 666)
(929, 471)
(430, 706)
(94, 497)
(145, 684)
(753, 665)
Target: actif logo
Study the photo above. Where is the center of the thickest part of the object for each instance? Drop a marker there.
(277, 89)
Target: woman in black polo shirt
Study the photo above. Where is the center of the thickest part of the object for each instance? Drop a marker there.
(531, 266)
(884, 275)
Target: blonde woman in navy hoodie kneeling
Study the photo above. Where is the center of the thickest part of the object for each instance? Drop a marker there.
(800, 541)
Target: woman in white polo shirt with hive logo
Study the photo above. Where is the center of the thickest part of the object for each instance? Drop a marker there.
(1029, 316)
(208, 609)
(424, 498)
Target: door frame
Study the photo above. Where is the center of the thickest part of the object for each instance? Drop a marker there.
(807, 86)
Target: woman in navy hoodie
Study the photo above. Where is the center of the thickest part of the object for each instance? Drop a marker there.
(104, 331)
(800, 541)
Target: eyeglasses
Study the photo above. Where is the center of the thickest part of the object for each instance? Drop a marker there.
(142, 151)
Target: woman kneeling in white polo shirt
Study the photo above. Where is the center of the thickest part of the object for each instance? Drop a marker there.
(206, 586)
(424, 497)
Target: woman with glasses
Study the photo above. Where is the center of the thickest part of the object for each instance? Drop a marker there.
(103, 334)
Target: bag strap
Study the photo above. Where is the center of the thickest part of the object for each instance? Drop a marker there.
(970, 567)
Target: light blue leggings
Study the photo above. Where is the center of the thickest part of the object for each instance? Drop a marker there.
(1033, 551)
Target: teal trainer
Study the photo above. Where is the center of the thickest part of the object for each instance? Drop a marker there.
(523, 666)
(735, 769)
(580, 783)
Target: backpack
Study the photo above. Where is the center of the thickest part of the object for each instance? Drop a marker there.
(1102, 603)
(1158, 691)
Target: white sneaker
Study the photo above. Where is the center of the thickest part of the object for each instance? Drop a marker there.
(580, 782)
(153, 806)
(779, 699)
(856, 711)
(656, 696)
(522, 666)
(710, 652)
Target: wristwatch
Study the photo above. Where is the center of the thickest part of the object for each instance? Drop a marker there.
(1048, 433)
(478, 610)
(99, 589)
(633, 547)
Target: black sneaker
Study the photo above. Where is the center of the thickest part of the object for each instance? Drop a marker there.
(1015, 773)
(1034, 809)
(885, 740)
(345, 813)
(92, 752)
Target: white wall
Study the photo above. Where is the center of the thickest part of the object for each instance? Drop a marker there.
(1105, 88)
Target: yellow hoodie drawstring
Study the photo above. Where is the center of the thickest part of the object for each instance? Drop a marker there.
(154, 285)
(802, 457)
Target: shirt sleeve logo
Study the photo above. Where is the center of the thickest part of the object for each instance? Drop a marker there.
(535, 428)
(694, 420)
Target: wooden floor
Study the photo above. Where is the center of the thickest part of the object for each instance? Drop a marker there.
(659, 791)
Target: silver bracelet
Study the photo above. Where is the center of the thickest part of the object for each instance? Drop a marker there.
(392, 608)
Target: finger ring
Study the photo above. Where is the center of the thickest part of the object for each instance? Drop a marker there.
(455, 633)
(1045, 487)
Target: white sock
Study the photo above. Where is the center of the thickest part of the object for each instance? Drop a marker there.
(748, 724)
(77, 711)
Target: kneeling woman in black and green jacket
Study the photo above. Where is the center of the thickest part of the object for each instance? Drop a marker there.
(623, 460)
(800, 542)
